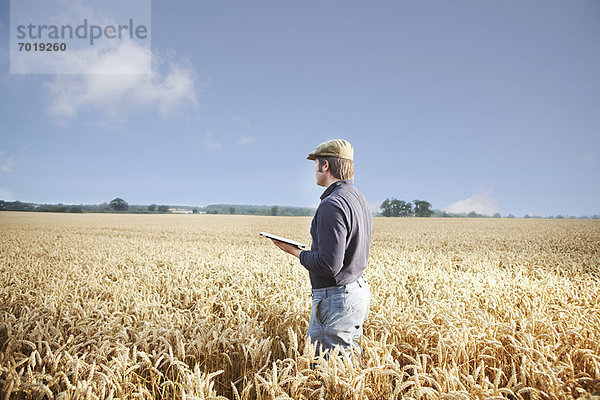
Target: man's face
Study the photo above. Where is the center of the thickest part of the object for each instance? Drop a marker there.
(320, 174)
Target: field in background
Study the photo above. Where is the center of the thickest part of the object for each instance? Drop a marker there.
(199, 306)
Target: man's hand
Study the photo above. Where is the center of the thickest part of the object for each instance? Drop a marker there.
(288, 248)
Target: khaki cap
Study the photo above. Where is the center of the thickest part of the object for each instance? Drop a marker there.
(333, 148)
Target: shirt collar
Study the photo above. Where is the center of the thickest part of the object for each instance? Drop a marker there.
(335, 185)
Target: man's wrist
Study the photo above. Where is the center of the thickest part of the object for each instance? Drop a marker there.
(300, 253)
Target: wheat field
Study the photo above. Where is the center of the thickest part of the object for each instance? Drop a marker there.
(197, 307)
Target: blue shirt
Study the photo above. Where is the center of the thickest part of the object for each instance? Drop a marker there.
(341, 236)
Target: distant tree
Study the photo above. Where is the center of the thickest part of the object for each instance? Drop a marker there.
(386, 209)
(422, 208)
(510, 216)
(119, 204)
(163, 209)
(404, 208)
(195, 211)
(497, 215)
(274, 210)
(472, 214)
(76, 209)
(526, 216)
(395, 208)
(2, 205)
(152, 207)
(231, 210)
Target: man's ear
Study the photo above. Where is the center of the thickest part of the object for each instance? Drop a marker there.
(325, 166)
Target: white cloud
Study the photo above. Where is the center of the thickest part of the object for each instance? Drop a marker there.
(481, 202)
(245, 141)
(587, 159)
(375, 207)
(210, 142)
(242, 121)
(169, 90)
(6, 162)
(6, 195)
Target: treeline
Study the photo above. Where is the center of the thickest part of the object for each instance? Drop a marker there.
(389, 208)
(258, 210)
(20, 206)
(118, 205)
(68, 208)
(421, 208)
(400, 208)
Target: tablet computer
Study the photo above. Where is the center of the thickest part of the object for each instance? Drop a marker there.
(284, 240)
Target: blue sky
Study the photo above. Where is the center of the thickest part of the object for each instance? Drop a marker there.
(471, 105)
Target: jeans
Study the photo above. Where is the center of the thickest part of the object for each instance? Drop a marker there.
(337, 316)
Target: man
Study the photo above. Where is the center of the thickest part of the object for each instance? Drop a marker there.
(341, 235)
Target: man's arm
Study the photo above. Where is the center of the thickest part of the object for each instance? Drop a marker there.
(332, 231)
(288, 248)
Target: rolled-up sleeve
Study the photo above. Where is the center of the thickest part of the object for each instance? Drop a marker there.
(331, 230)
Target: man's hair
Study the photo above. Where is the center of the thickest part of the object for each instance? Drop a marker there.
(340, 168)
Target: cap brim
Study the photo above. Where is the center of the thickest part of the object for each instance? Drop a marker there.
(311, 157)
